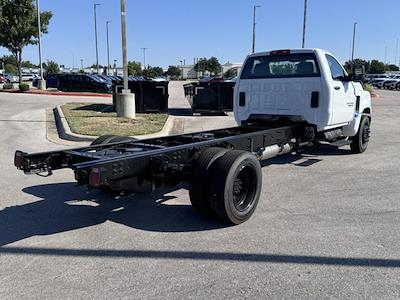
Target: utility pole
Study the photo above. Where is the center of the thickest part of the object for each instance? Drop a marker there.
(254, 27)
(352, 48)
(386, 47)
(108, 48)
(125, 104)
(144, 57)
(95, 33)
(303, 43)
(42, 85)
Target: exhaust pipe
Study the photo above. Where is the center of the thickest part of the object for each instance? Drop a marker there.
(275, 150)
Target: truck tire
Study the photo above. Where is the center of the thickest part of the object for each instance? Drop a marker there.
(108, 139)
(360, 140)
(200, 181)
(236, 186)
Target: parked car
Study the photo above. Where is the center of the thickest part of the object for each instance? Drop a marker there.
(391, 82)
(11, 78)
(378, 82)
(51, 80)
(29, 77)
(83, 83)
(2, 78)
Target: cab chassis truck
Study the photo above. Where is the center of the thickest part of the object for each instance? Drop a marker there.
(223, 166)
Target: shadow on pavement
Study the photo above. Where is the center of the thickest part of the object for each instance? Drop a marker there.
(209, 256)
(64, 208)
(311, 155)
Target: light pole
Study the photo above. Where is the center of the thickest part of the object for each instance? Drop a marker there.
(386, 47)
(108, 48)
(253, 49)
(95, 34)
(144, 57)
(42, 85)
(115, 67)
(82, 64)
(181, 61)
(397, 51)
(352, 48)
(303, 42)
(125, 103)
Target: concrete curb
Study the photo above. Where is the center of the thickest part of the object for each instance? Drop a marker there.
(171, 126)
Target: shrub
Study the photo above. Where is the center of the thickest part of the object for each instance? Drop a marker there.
(23, 87)
(8, 86)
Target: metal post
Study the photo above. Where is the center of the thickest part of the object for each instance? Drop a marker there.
(42, 81)
(81, 64)
(397, 50)
(144, 57)
(124, 52)
(352, 48)
(386, 47)
(125, 102)
(108, 48)
(95, 33)
(253, 49)
(303, 43)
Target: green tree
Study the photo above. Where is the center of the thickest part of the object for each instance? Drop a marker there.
(377, 67)
(153, 72)
(214, 67)
(10, 69)
(8, 59)
(18, 23)
(202, 65)
(231, 73)
(392, 68)
(134, 68)
(174, 72)
(52, 67)
(28, 64)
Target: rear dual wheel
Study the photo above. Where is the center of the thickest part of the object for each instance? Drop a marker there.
(227, 184)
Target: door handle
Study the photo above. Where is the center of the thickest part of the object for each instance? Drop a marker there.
(337, 88)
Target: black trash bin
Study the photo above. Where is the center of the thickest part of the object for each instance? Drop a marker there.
(210, 97)
(150, 96)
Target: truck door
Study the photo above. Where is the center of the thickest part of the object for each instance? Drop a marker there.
(342, 93)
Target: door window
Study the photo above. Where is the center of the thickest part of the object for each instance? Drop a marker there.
(337, 71)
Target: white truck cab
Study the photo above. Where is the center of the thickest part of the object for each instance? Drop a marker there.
(302, 85)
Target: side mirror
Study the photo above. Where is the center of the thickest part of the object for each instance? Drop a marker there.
(348, 78)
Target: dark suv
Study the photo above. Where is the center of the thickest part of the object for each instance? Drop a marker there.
(83, 83)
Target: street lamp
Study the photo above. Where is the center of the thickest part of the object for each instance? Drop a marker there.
(352, 49)
(254, 27)
(82, 64)
(95, 33)
(108, 48)
(303, 42)
(42, 85)
(144, 57)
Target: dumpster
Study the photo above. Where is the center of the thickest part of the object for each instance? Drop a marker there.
(150, 96)
(210, 97)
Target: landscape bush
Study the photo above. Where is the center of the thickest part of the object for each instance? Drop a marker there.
(8, 86)
(23, 87)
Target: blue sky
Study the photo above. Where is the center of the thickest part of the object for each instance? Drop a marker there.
(183, 29)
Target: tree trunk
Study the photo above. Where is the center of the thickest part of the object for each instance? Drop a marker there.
(19, 64)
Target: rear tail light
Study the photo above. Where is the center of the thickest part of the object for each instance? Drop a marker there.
(95, 177)
(19, 159)
(280, 52)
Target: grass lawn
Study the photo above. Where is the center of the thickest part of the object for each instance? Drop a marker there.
(97, 119)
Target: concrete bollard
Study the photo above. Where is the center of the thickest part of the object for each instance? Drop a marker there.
(126, 104)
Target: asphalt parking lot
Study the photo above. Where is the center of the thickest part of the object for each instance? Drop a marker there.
(327, 225)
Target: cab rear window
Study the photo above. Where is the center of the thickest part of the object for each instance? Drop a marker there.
(281, 66)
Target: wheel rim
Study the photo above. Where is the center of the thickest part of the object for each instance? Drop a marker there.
(244, 188)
